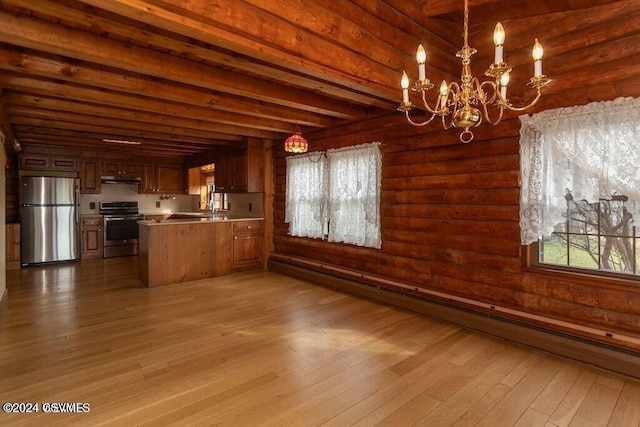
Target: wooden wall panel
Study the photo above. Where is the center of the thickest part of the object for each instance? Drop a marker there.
(450, 224)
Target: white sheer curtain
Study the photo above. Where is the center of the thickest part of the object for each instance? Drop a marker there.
(354, 195)
(591, 151)
(306, 197)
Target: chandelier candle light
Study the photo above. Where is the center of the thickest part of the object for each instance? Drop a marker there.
(460, 99)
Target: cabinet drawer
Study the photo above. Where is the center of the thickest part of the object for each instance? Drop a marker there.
(247, 226)
(91, 221)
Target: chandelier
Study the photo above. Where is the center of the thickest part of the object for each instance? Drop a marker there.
(467, 102)
(296, 143)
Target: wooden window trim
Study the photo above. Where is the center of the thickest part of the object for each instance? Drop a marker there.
(531, 264)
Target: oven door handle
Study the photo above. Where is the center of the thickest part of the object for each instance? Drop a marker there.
(124, 219)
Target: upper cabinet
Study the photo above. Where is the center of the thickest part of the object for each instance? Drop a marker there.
(115, 168)
(162, 178)
(241, 171)
(90, 173)
(45, 162)
(231, 173)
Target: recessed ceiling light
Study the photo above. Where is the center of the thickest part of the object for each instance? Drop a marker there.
(119, 141)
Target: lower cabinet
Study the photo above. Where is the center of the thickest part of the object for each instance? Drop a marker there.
(12, 236)
(92, 237)
(247, 244)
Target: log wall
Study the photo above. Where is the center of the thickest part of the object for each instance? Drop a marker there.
(450, 224)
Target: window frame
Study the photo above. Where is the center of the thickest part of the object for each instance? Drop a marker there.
(533, 253)
(326, 210)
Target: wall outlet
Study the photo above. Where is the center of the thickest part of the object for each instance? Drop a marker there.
(157, 204)
(250, 207)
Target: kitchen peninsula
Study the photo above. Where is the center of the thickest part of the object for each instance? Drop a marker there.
(192, 247)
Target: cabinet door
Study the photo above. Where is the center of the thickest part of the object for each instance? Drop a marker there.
(12, 246)
(92, 238)
(247, 250)
(32, 161)
(239, 167)
(116, 167)
(224, 174)
(44, 162)
(149, 182)
(130, 168)
(169, 179)
(111, 168)
(247, 244)
(196, 179)
(90, 176)
(64, 164)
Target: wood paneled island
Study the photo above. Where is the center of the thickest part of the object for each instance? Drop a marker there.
(181, 250)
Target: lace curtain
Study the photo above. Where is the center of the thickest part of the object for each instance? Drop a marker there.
(591, 152)
(306, 197)
(354, 195)
(342, 189)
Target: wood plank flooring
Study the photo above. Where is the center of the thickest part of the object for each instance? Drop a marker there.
(263, 349)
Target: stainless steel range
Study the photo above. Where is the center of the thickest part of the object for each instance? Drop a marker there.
(120, 228)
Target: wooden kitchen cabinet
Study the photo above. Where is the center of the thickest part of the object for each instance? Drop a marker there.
(45, 162)
(224, 174)
(162, 179)
(196, 181)
(231, 173)
(124, 168)
(241, 171)
(247, 244)
(169, 179)
(12, 236)
(92, 236)
(90, 172)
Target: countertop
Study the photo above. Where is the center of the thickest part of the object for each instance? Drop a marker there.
(198, 217)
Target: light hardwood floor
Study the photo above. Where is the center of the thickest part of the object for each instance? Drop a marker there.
(259, 348)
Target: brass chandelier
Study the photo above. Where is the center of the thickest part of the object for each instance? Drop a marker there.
(467, 102)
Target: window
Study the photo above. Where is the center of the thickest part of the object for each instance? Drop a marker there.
(599, 236)
(580, 187)
(306, 199)
(337, 196)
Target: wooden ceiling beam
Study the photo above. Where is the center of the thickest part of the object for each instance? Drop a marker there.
(94, 20)
(263, 37)
(357, 30)
(35, 64)
(94, 146)
(84, 142)
(61, 134)
(114, 132)
(115, 124)
(431, 8)
(67, 91)
(74, 137)
(145, 118)
(40, 35)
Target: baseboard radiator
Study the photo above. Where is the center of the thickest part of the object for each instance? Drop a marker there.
(562, 338)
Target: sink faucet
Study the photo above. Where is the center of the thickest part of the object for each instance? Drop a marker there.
(211, 205)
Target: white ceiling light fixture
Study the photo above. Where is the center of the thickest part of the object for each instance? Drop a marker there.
(120, 141)
(467, 102)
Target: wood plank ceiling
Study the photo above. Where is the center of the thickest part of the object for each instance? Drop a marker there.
(183, 76)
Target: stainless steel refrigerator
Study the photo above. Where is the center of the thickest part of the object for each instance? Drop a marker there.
(50, 230)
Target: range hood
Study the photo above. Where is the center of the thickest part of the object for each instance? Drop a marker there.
(120, 179)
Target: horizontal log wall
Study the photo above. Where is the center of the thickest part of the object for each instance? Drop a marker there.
(450, 224)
